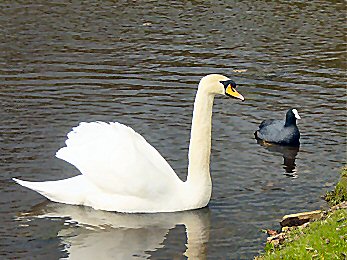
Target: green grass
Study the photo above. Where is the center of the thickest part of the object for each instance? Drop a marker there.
(323, 239)
(339, 194)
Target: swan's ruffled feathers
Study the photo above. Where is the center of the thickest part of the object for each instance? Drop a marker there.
(115, 158)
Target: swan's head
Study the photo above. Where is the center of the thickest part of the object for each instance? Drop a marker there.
(219, 84)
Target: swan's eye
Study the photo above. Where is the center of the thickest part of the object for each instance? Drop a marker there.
(226, 83)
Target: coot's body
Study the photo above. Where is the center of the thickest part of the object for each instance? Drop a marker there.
(284, 132)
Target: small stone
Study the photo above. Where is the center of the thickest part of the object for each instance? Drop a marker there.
(271, 232)
(281, 237)
(305, 225)
(300, 218)
(327, 241)
(275, 242)
(286, 229)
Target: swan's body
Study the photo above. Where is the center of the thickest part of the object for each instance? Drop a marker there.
(121, 172)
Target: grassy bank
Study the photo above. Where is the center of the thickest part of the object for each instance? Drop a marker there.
(339, 194)
(325, 238)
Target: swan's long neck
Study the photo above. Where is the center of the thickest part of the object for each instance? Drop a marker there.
(200, 141)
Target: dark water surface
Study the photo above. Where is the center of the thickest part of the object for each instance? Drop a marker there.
(139, 62)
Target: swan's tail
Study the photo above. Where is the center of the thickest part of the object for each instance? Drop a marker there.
(68, 191)
(29, 184)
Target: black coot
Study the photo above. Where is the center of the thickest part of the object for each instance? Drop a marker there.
(284, 132)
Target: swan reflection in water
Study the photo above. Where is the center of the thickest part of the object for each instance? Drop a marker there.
(92, 234)
(288, 153)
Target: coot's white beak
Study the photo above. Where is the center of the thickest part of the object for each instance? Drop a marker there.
(296, 114)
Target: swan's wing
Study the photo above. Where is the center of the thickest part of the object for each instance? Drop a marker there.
(117, 160)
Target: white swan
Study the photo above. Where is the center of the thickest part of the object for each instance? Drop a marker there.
(121, 172)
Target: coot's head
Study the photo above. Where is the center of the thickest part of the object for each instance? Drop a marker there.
(291, 116)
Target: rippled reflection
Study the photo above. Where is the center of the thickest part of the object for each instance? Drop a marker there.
(288, 153)
(92, 234)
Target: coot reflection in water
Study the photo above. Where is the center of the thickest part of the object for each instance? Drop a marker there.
(93, 234)
(288, 153)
